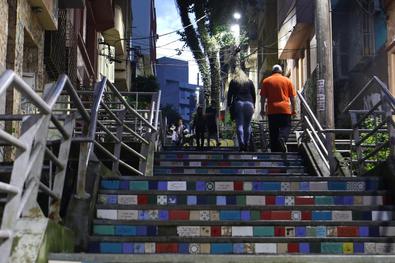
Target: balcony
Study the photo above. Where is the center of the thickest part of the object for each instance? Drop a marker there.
(296, 27)
(115, 35)
(103, 14)
(47, 13)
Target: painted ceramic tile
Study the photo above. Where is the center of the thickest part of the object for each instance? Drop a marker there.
(127, 199)
(372, 200)
(226, 231)
(107, 214)
(385, 248)
(249, 248)
(300, 231)
(161, 199)
(331, 231)
(265, 248)
(177, 186)
(188, 231)
(205, 231)
(194, 215)
(247, 186)
(195, 164)
(139, 248)
(290, 200)
(153, 214)
(294, 186)
(194, 248)
(358, 200)
(214, 215)
(370, 248)
(223, 186)
(381, 215)
(356, 186)
(210, 186)
(200, 186)
(242, 231)
(387, 231)
(289, 231)
(342, 215)
(285, 186)
(304, 186)
(221, 200)
(320, 231)
(143, 215)
(191, 200)
(239, 248)
(150, 248)
(318, 186)
(255, 200)
(296, 215)
(205, 215)
(172, 199)
(310, 231)
(205, 248)
(282, 248)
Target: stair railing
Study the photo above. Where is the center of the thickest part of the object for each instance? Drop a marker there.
(314, 134)
(373, 128)
(113, 119)
(25, 181)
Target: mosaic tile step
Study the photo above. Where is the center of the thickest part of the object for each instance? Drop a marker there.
(336, 248)
(242, 200)
(243, 231)
(239, 184)
(213, 164)
(230, 171)
(245, 215)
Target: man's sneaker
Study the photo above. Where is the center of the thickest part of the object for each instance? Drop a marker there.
(283, 145)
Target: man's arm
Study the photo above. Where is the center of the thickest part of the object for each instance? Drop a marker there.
(293, 105)
(263, 101)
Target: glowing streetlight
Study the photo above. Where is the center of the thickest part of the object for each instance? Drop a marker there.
(237, 15)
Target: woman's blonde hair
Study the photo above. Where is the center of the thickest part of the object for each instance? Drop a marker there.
(239, 76)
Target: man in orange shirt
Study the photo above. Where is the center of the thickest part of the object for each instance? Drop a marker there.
(280, 95)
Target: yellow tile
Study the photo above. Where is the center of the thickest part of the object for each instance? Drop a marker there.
(194, 215)
(282, 248)
(205, 248)
(348, 248)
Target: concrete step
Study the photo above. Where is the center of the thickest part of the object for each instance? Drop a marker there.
(185, 258)
(220, 163)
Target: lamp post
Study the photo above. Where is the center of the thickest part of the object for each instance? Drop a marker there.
(235, 29)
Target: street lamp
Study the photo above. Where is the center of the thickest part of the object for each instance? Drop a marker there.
(237, 15)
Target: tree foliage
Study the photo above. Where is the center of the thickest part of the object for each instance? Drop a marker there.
(171, 114)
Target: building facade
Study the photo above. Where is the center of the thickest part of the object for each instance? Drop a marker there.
(172, 75)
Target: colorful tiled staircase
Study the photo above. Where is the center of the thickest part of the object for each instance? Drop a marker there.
(241, 203)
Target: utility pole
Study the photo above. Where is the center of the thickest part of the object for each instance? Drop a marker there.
(325, 106)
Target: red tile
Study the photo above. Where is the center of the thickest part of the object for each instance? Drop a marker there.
(304, 200)
(215, 231)
(275, 170)
(266, 215)
(224, 164)
(238, 186)
(166, 248)
(279, 231)
(387, 200)
(270, 200)
(142, 199)
(180, 156)
(293, 247)
(347, 231)
(178, 215)
(306, 215)
(281, 215)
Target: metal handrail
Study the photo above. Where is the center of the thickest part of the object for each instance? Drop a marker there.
(385, 108)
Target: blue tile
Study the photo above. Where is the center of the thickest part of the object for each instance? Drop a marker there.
(337, 185)
(304, 248)
(374, 231)
(94, 247)
(162, 186)
(304, 186)
(141, 231)
(201, 171)
(321, 215)
(153, 185)
(112, 199)
(200, 186)
(124, 185)
(348, 200)
(221, 200)
(271, 186)
(111, 248)
(144, 215)
(229, 215)
(183, 248)
(202, 200)
(221, 248)
(152, 231)
(363, 231)
(245, 215)
(339, 200)
(239, 248)
(359, 248)
(228, 171)
(320, 231)
(231, 200)
(127, 248)
(172, 199)
(125, 230)
(372, 185)
(110, 184)
(163, 215)
(192, 200)
(280, 200)
(256, 186)
(300, 231)
(139, 248)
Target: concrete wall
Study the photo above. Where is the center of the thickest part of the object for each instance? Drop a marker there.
(391, 45)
